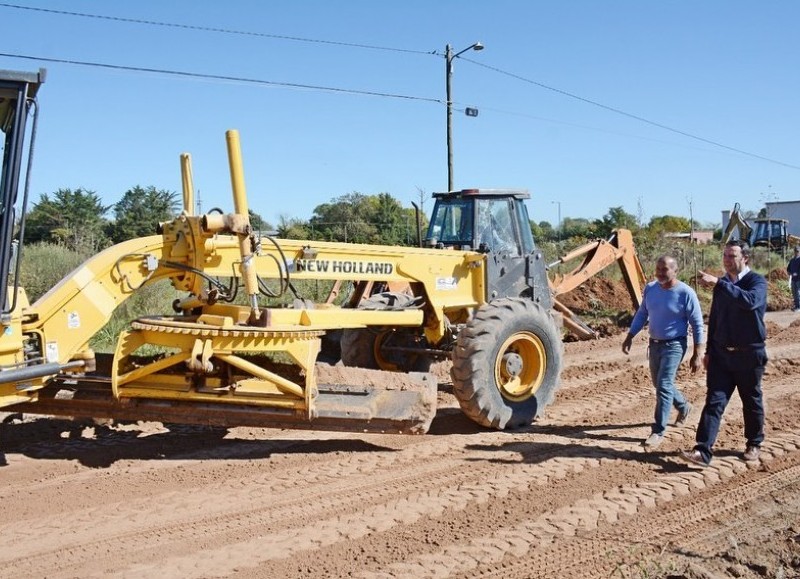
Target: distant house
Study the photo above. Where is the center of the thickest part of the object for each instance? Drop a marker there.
(698, 237)
(788, 210)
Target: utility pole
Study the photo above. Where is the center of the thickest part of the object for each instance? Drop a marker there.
(448, 58)
(558, 226)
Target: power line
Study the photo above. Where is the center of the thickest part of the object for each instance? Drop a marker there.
(211, 29)
(630, 115)
(225, 78)
(350, 91)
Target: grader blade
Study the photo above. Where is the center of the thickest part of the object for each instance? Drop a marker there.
(358, 400)
(386, 401)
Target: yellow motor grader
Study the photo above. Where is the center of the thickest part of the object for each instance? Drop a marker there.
(477, 294)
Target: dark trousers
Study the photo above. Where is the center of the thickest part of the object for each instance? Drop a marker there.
(796, 292)
(729, 371)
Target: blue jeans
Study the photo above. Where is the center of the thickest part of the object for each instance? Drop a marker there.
(729, 371)
(665, 357)
(796, 292)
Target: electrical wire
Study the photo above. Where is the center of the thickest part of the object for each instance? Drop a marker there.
(353, 91)
(630, 115)
(222, 77)
(212, 29)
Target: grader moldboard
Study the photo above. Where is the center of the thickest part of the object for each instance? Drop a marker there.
(478, 295)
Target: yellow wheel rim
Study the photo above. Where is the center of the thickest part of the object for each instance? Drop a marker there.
(520, 366)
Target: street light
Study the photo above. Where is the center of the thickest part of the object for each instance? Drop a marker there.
(448, 57)
(558, 228)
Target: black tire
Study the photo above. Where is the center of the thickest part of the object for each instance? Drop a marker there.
(506, 363)
(358, 348)
(364, 349)
(331, 347)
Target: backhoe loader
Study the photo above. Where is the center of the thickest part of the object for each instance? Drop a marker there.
(771, 232)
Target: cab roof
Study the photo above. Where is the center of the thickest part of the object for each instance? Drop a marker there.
(9, 79)
(515, 193)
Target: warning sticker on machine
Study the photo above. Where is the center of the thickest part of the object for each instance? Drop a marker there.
(446, 283)
(51, 351)
(73, 320)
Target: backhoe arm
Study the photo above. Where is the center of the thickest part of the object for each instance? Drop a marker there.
(598, 255)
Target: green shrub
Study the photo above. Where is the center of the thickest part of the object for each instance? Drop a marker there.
(44, 265)
(151, 299)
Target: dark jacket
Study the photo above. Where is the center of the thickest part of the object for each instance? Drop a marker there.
(793, 268)
(737, 313)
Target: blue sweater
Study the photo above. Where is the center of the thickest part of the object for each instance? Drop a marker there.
(670, 312)
(737, 312)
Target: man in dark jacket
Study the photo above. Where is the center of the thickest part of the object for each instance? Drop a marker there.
(736, 353)
(793, 269)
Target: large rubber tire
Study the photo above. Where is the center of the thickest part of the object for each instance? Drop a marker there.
(363, 349)
(506, 363)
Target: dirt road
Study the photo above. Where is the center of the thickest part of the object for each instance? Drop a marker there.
(574, 495)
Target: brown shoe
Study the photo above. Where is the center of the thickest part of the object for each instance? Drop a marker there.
(751, 454)
(693, 457)
(683, 416)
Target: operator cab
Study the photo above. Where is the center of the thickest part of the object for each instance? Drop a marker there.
(17, 103)
(485, 220)
(494, 222)
(770, 232)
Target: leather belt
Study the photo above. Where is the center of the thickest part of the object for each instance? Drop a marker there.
(747, 348)
(658, 341)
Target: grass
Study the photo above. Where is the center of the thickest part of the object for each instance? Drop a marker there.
(45, 264)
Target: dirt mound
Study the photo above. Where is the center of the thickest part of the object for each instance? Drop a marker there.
(606, 297)
(597, 295)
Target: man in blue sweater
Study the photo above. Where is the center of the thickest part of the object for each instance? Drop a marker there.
(736, 355)
(671, 306)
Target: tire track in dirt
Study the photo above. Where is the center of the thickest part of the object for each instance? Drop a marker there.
(689, 530)
(130, 515)
(585, 515)
(326, 503)
(610, 469)
(424, 503)
(71, 445)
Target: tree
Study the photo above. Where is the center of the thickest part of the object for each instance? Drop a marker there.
(72, 218)
(356, 218)
(616, 218)
(543, 231)
(392, 221)
(140, 211)
(669, 224)
(292, 228)
(577, 227)
(258, 224)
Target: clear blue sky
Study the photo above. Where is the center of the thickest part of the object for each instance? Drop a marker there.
(723, 71)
